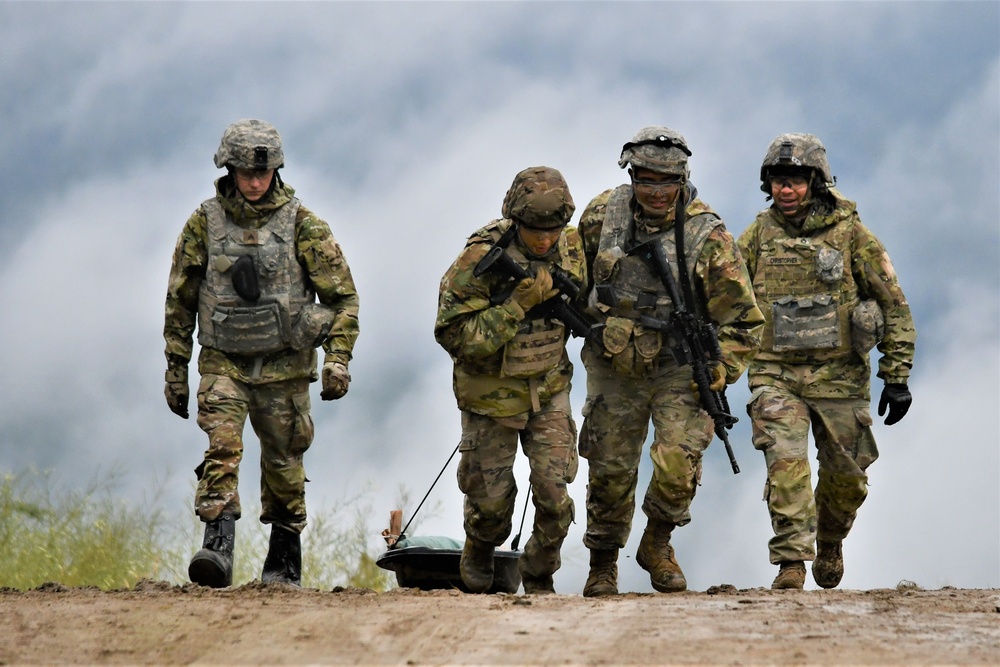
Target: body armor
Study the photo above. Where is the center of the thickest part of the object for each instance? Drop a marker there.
(233, 324)
(626, 288)
(806, 291)
(531, 367)
(538, 346)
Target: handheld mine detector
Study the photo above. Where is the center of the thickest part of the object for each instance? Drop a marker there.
(430, 563)
(697, 341)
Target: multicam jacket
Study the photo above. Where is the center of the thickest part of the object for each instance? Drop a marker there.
(807, 280)
(323, 270)
(492, 340)
(718, 277)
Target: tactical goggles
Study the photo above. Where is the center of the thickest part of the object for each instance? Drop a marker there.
(653, 187)
(552, 230)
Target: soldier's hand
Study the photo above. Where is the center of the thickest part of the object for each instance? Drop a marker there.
(897, 398)
(718, 380)
(532, 291)
(177, 398)
(335, 381)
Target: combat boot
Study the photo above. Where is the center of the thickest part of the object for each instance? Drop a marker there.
(791, 574)
(283, 564)
(542, 585)
(603, 577)
(656, 556)
(828, 568)
(536, 566)
(213, 564)
(476, 565)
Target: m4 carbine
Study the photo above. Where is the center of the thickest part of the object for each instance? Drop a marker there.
(697, 343)
(560, 307)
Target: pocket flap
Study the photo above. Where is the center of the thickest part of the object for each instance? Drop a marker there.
(617, 333)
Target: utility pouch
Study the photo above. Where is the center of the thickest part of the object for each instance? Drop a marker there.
(805, 323)
(250, 330)
(867, 326)
(648, 344)
(830, 265)
(616, 337)
(605, 263)
(533, 353)
(311, 326)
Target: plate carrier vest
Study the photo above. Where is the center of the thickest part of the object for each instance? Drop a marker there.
(806, 290)
(226, 321)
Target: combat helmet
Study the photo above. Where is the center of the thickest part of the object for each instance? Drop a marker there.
(539, 198)
(796, 153)
(250, 144)
(657, 148)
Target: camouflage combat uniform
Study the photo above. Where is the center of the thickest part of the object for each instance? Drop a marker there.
(821, 269)
(512, 381)
(632, 378)
(271, 388)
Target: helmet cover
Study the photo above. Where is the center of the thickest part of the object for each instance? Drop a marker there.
(539, 198)
(250, 144)
(659, 149)
(793, 153)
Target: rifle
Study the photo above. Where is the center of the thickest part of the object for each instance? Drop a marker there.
(560, 307)
(698, 343)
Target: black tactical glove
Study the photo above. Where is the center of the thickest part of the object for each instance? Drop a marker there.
(897, 398)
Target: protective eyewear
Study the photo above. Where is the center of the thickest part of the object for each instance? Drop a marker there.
(654, 187)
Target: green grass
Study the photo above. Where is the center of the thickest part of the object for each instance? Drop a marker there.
(91, 537)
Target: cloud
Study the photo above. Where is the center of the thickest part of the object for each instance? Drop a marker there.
(404, 125)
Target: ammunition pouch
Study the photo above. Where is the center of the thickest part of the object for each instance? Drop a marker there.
(633, 349)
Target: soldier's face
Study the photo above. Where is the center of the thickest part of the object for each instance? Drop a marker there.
(654, 191)
(253, 183)
(538, 241)
(790, 194)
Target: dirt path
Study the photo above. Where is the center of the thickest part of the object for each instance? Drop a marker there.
(253, 624)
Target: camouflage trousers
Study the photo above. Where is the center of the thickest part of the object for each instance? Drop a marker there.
(279, 415)
(486, 477)
(616, 421)
(845, 448)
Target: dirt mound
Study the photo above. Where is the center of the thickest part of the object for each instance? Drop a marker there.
(256, 624)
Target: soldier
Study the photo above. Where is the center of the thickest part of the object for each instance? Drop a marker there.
(512, 377)
(248, 267)
(829, 295)
(631, 375)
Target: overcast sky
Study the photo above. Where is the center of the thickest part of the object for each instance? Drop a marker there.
(403, 126)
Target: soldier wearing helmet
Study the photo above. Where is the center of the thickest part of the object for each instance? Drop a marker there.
(512, 377)
(632, 376)
(829, 295)
(265, 283)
